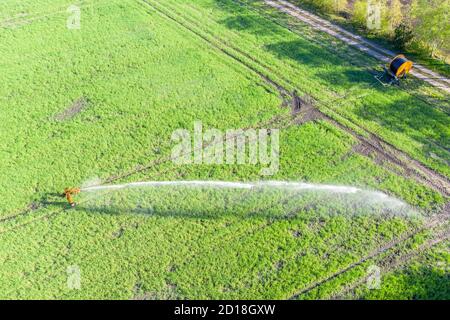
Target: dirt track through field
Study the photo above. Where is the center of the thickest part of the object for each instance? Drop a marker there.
(433, 222)
(394, 261)
(319, 115)
(374, 145)
(358, 42)
(385, 151)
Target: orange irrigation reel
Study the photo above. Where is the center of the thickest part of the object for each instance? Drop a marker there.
(397, 69)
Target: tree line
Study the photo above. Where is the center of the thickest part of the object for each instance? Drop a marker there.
(410, 24)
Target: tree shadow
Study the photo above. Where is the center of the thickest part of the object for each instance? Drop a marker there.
(302, 52)
(247, 22)
(413, 112)
(426, 125)
(328, 66)
(423, 283)
(430, 284)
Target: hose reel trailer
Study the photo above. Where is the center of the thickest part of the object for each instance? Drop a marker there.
(398, 68)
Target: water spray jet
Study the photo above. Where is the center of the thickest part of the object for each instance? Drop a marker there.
(346, 198)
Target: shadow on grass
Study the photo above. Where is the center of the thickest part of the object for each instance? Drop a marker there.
(259, 212)
(413, 284)
(306, 213)
(426, 125)
(248, 23)
(416, 114)
(178, 203)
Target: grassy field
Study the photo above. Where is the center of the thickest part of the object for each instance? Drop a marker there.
(426, 277)
(102, 102)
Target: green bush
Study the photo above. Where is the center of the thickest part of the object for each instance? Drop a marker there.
(403, 35)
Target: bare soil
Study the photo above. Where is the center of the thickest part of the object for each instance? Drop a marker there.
(76, 107)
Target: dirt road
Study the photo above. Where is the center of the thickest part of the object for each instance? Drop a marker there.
(358, 42)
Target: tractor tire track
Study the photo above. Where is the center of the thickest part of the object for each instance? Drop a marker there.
(394, 262)
(277, 120)
(344, 53)
(324, 116)
(433, 222)
(223, 47)
(413, 167)
(275, 85)
(386, 152)
(383, 149)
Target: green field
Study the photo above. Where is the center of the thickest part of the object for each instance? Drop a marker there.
(102, 103)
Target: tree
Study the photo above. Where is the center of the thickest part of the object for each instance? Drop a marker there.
(325, 5)
(360, 12)
(403, 34)
(395, 14)
(372, 14)
(340, 5)
(431, 24)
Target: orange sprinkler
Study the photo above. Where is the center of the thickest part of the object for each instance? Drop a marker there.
(69, 192)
